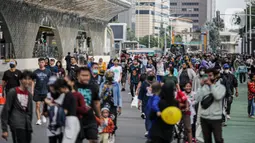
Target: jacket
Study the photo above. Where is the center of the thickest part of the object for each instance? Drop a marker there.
(152, 105)
(214, 112)
(191, 74)
(143, 95)
(116, 93)
(13, 114)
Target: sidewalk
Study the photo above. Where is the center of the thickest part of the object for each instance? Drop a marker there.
(240, 129)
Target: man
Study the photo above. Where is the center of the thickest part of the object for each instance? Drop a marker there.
(40, 89)
(73, 68)
(18, 110)
(94, 70)
(211, 115)
(231, 83)
(124, 66)
(242, 71)
(53, 68)
(68, 61)
(11, 78)
(90, 93)
(186, 74)
(117, 70)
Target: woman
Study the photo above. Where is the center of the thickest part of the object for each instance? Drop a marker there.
(47, 62)
(161, 132)
(72, 124)
(251, 93)
(61, 70)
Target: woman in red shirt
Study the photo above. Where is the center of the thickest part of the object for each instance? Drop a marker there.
(251, 93)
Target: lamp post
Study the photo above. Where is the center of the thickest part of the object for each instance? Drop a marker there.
(250, 48)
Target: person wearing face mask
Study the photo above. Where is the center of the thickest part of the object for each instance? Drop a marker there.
(170, 77)
(94, 72)
(110, 96)
(124, 66)
(231, 85)
(144, 95)
(186, 74)
(197, 80)
(211, 95)
(11, 77)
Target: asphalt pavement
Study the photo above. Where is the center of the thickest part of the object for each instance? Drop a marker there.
(240, 129)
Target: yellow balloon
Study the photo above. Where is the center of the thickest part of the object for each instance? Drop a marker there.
(171, 115)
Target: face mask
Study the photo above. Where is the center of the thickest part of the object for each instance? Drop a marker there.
(95, 71)
(202, 73)
(150, 78)
(12, 66)
(226, 71)
(167, 72)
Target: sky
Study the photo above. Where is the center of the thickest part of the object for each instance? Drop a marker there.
(222, 5)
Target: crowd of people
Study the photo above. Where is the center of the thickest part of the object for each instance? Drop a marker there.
(84, 102)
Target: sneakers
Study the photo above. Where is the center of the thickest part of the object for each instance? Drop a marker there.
(251, 116)
(146, 134)
(143, 116)
(129, 93)
(44, 120)
(39, 122)
(224, 124)
(228, 117)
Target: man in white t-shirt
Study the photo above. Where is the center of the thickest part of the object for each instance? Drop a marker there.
(117, 70)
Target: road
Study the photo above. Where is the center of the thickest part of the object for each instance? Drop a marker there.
(240, 128)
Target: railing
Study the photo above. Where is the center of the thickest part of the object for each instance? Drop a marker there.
(7, 51)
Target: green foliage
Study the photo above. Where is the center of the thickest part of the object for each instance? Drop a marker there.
(214, 35)
(131, 35)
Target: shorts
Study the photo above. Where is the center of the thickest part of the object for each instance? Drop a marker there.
(91, 132)
(39, 97)
(124, 78)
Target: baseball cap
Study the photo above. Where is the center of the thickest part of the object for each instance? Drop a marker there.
(226, 66)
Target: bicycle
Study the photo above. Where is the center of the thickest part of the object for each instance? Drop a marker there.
(179, 132)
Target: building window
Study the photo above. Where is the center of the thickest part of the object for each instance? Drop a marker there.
(173, 4)
(156, 27)
(185, 15)
(146, 4)
(195, 21)
(184, 9)
(196, 9)
(145, 12)
(194, 15)
(190, 3)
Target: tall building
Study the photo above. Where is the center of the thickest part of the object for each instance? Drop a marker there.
(150, 15)
(128, 17)
(199, 11)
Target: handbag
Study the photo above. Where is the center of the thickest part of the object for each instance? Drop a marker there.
(207, 101)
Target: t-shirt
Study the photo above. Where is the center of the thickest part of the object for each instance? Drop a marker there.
(137, 68)
(117, 71)
(88, 91)
(170, 78)
(12, 79)
(53, 69)
(42, 78)
(22, 97)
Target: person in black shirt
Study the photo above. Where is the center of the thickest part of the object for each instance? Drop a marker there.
(90, 93)
(124, 72)
(68, 61)
(94, 70)
(73, 68)
(11, 77)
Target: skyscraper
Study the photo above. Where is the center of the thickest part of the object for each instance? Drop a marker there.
(199, 11)
(150, 16)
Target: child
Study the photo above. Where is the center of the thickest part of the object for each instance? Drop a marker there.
(152, 109)
(184, 105)
(107, 128)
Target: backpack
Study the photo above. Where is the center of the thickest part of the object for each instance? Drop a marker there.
(184, 77)
(60, 119)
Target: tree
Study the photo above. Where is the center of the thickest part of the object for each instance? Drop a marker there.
(145, 41)
(131, 35)
(214, 35)
(178, 38)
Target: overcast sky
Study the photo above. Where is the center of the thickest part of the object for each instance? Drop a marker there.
(222, 5)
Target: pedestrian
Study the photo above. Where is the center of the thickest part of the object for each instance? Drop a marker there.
(160, 69)
(211, 96)
(124, 66)
(107, 128)
(152, 108)
(61, 70)
(251, 96)
(110, 96)
(94, 72)
(133, 82)
(242, 71)
(40, 89)
(102, 67)
(117, 70)
(89, 92)
(170, 76)
(53, 68)
(73, 68)
(144, 95)
(160, 131)
(47, 62)
(18, 110)
(11, 78)
(68, 61)
(186, 74)
(68, 102)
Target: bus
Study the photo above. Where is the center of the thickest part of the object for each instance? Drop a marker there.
(148, 51)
